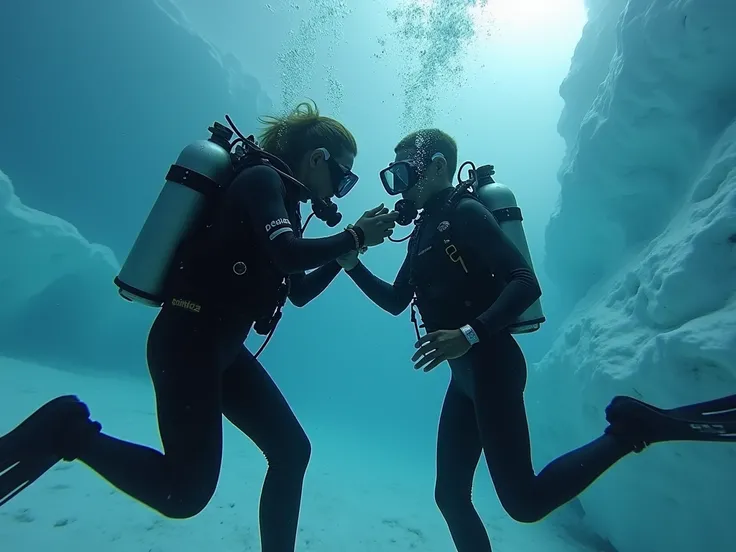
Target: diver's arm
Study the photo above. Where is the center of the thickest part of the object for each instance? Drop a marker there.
(305, 287)
(391, 298)
(263, 195)
(477, 231)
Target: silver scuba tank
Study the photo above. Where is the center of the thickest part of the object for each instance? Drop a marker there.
(500, 201)
(202, 167)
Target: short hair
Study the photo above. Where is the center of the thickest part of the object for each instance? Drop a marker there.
(427, 142)
(291, 136)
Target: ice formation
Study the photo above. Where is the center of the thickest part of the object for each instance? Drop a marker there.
(56, 289)
(644, 246)
(645, 132)
(43, 249)
(99, 173)
(89, 132)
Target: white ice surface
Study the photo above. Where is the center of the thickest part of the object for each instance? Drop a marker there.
(644, 241)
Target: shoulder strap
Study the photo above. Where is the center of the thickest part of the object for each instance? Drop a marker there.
(247, 161)
(452, 202)
(456, 198)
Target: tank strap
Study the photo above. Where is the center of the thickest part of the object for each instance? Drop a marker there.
(501, 215)
(456, 197)
(191, 179)
(507, 214)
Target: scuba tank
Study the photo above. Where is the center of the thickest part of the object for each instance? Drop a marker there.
(203, 167)
(202, 170)
(500, 201)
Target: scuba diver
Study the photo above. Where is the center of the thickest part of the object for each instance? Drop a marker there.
(468, 271)
(232, 271)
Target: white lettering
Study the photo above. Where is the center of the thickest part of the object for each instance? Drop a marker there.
(274, 224)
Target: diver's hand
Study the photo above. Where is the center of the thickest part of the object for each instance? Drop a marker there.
(377, 225)
(436, 347)
(348, 261)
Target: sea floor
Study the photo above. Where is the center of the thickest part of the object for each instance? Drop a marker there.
(357, 497)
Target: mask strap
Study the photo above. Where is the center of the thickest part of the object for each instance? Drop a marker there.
(324, 152)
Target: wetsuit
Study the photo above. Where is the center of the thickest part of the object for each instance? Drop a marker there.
(487, 287)
(201, 370)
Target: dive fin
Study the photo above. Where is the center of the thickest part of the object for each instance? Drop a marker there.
(644, 424)
(22, 474)
(55, 432)
(718, 409)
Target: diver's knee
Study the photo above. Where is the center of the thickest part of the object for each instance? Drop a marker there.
(449, 496)
(186, 503)
(177, 508)
(301, 452)
(523, 515)
(523, 508)
(294, 455)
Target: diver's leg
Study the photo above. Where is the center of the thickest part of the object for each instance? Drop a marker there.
(180, 482)
(458, 452)
(255, 405)
(500, 374)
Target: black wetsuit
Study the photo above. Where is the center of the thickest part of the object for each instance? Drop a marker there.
(202, 371)
(487, 287)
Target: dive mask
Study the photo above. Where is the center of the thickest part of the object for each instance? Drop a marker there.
(343, 179)
(401, 176)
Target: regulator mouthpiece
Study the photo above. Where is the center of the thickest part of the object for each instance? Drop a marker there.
(326, 211)
(407, 211)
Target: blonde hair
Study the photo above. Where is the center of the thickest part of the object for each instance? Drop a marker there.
(292, 136)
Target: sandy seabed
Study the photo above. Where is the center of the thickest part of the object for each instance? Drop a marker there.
(357, 498)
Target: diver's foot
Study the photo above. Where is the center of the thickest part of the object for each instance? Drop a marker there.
(61, 427)
(640, 424)
(630, 422)
(59, 430)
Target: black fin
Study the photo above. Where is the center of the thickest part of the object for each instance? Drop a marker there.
(54, 432)
(719, 409)
(644, 424)
(22, 474)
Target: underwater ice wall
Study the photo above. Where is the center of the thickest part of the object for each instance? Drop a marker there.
(664, 99)
(91, 116)
(58, 305)
(644, 242)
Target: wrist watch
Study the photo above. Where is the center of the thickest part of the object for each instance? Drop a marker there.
(470, 334)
